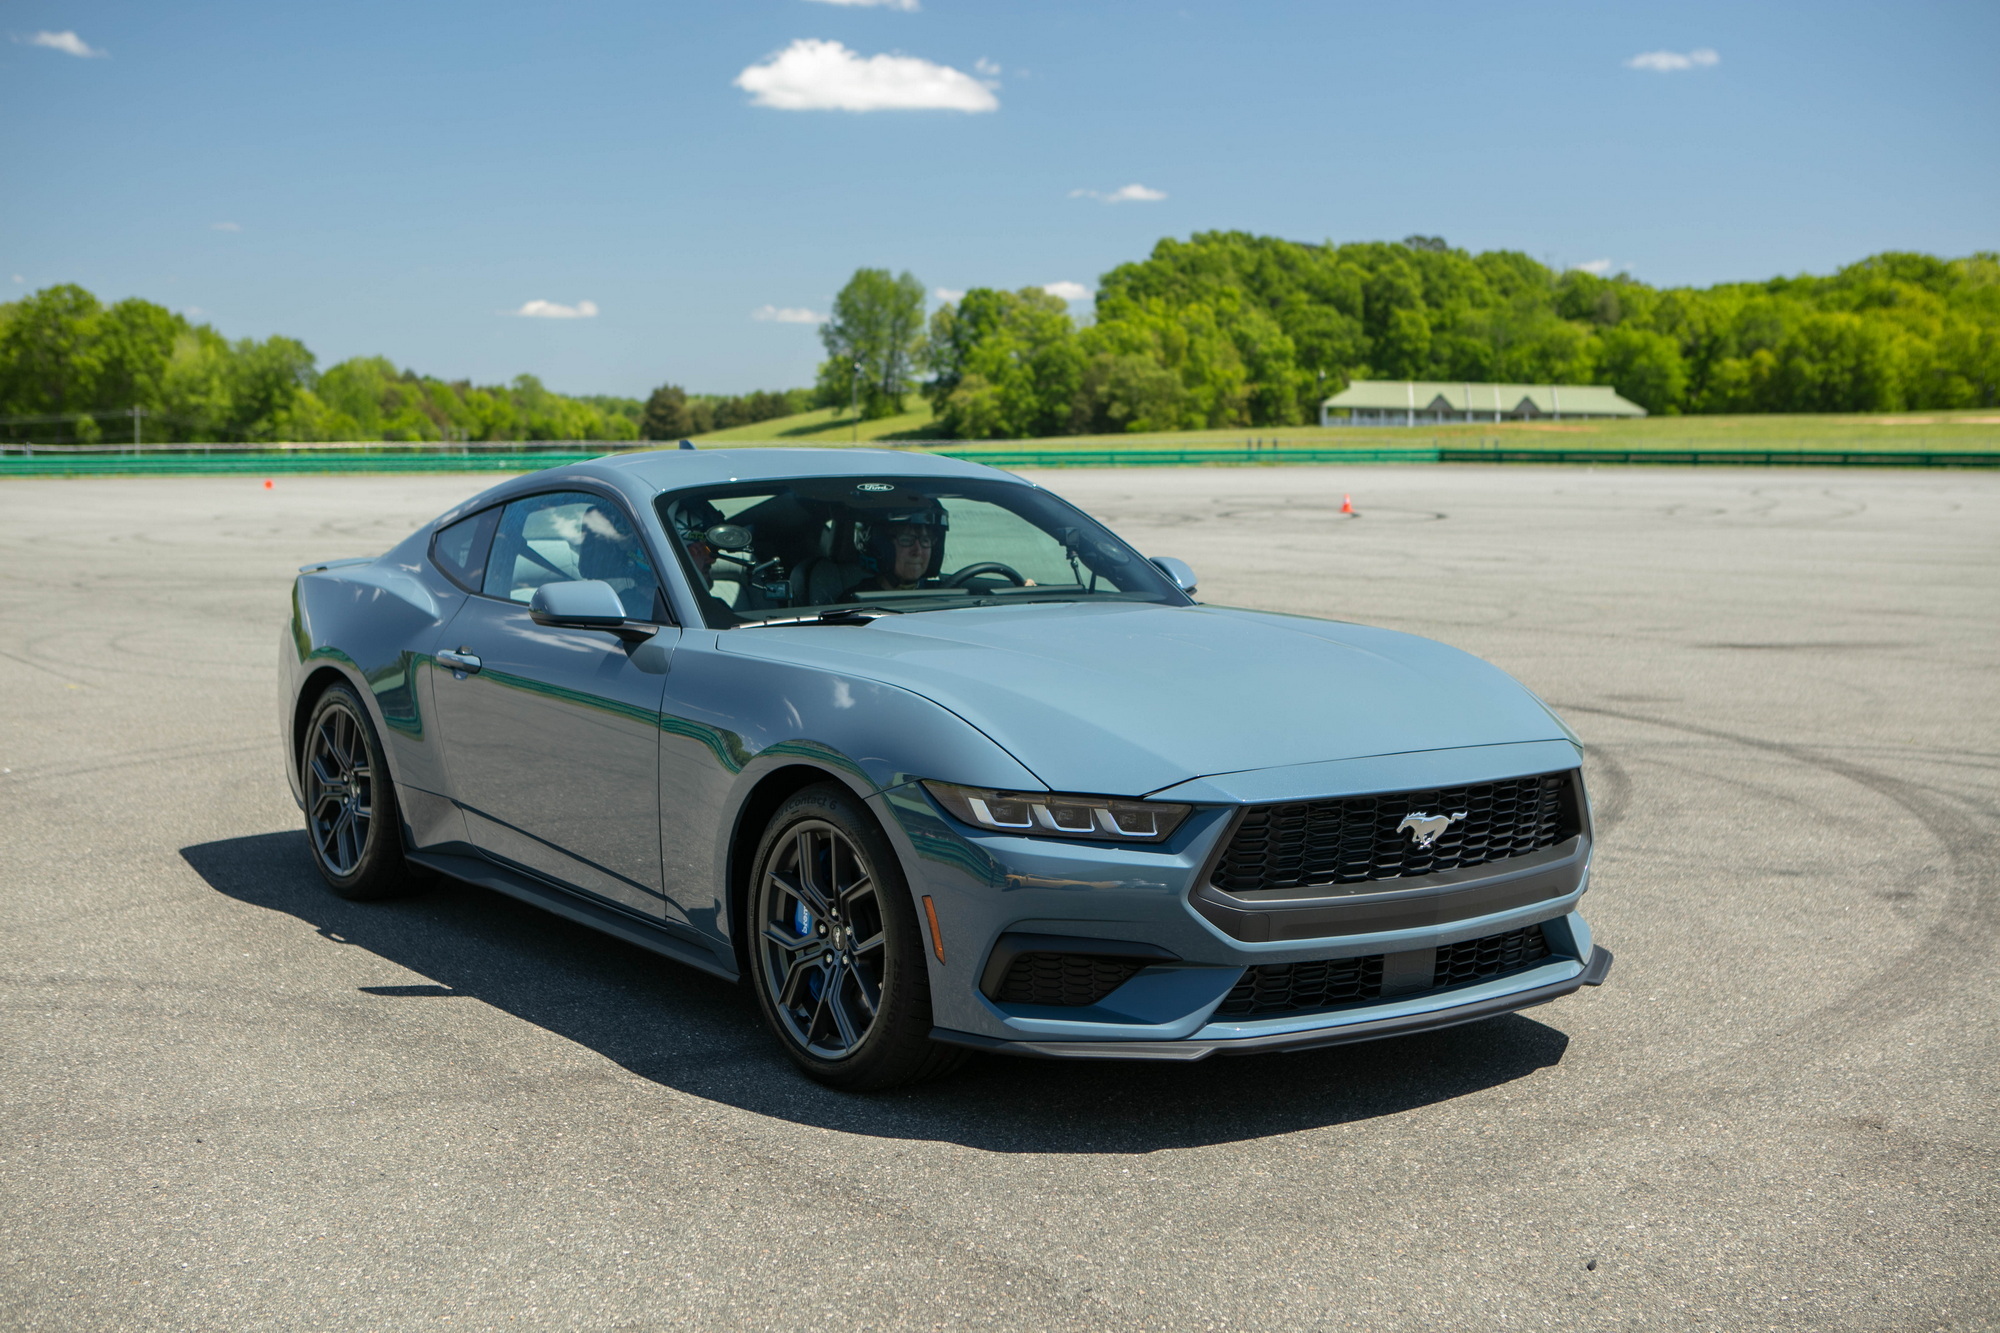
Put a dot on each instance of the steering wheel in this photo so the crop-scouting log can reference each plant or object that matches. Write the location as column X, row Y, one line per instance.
column 961, row 577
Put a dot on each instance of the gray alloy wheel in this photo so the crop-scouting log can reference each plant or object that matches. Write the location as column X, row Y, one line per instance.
column 352, row 824
column 838, row 965
column 339, row 791
column 823, row 943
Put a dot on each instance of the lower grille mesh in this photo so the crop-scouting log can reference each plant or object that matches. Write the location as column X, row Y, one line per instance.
column 1289, row 988
column 1064, row 978
column 1298, row 988
column 1478, row 960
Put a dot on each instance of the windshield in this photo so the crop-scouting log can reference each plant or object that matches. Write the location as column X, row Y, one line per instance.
column 821, row 546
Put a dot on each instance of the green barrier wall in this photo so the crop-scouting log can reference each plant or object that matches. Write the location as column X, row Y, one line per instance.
column 281, row 464
column 1722, row 457
column 270, row 465
column 1180, row 457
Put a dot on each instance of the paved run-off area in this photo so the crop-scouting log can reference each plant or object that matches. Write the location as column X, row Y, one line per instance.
column 232, row 1101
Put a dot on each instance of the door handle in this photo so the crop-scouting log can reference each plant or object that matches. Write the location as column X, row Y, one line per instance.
column 462, row 663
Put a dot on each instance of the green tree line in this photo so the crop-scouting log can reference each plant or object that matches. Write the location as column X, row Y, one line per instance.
column 72, row 369
column 1230, row 329
column 672, row 413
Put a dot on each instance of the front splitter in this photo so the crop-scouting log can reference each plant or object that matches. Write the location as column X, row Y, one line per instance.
column 1593, row 974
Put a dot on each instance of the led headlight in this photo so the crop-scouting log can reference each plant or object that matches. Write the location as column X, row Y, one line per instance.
column 1051, row 815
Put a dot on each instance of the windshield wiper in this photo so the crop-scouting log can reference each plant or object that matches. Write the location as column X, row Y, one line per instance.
column 833, row 615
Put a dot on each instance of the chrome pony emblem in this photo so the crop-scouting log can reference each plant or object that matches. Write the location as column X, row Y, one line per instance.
column 1425, row 829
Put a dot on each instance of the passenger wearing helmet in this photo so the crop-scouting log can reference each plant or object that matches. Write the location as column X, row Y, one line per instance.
column 693, row 521
column 903, row 549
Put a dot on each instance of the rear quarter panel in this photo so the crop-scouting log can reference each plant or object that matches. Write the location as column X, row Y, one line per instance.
column 374, row 625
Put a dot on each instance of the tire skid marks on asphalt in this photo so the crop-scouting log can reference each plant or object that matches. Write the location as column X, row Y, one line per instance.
column 1609, row 786
column 65, row 677
column 1966, row 924
column 132, row 759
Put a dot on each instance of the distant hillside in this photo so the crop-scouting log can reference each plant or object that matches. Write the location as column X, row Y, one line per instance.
column 73, row 369
column 1228, row 329
column 833, row 425
column 1222, row 331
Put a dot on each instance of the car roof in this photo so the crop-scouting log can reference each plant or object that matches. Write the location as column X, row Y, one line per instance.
column 654, row 471
column 677, row 469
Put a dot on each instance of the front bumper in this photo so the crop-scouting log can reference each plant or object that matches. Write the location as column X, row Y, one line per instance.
column 1185, row 947
column 1426, row 1013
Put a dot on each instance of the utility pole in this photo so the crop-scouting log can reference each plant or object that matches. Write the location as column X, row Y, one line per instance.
column 854, row 387
column 138, row 414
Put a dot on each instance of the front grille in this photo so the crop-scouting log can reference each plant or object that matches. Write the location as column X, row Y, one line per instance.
column 1064, row 978
column 1358, row 838
column 1297, row 988
column 1481, row 960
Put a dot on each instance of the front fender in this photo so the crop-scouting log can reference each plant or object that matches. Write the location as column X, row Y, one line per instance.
column 731, row 724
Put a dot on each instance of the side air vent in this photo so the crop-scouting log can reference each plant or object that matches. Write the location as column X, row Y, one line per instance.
column 1064, row 978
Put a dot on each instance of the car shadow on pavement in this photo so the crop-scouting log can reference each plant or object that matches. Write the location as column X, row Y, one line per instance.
column 703, row 1036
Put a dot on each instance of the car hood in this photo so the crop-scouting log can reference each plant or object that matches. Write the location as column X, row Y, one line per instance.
column 1126, row 699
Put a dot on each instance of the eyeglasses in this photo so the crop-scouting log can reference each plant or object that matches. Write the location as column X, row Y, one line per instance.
column 909, row 540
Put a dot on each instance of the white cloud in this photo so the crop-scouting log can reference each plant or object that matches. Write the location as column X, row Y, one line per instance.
column 66, row 42
column 942, row 293
column 19, row 278
column 814, row 75
column 226, row 226
column 1068, row 291
column 1124, row 194
column 194, row 312
column 1598, row 266
column 787, row 315
column 987, row 68
column 907, row 6
column 1667, row 62
column 551, row 310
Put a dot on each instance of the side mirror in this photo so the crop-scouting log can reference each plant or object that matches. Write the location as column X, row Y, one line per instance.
column 1178, row 571
column 585, row 604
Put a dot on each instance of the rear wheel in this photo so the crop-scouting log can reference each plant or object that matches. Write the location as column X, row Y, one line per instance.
column 352, row 823
column 835, row 949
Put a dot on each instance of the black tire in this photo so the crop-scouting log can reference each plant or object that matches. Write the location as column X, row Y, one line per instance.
column 352, row 824
column 836, row 957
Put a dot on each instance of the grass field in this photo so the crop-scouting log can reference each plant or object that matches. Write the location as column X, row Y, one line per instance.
column 830, row 426
column 1914, row 432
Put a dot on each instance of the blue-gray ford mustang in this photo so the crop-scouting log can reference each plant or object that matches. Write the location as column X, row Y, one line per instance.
column 936, row 763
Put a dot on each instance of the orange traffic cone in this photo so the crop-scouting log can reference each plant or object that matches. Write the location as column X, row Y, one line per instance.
column 1347, row 506
column 267, row 483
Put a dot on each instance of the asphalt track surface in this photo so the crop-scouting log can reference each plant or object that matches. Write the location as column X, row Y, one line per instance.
column 232, row 1101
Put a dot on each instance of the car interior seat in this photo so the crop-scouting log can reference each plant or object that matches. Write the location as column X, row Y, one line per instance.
column 821, row 579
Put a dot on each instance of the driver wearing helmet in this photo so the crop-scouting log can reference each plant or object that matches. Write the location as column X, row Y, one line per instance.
column 902, row 550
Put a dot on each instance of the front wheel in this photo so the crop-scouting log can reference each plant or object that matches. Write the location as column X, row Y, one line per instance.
column 835, row 951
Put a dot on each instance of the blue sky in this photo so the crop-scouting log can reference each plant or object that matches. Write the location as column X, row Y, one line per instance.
column 406, row 179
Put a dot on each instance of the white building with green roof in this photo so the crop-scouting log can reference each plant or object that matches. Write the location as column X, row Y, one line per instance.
column 1425, row 403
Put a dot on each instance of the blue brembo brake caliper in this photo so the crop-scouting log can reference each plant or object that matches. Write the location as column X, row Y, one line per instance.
column 802, row 924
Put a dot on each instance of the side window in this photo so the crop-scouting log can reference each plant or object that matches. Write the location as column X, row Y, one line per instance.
column 570, row 535
column 460, row 550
